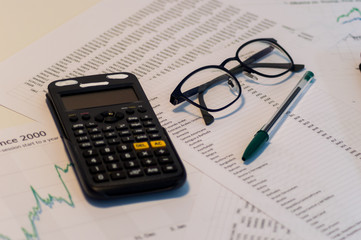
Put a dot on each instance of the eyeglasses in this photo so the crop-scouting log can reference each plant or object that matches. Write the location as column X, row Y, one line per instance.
column 216, row 87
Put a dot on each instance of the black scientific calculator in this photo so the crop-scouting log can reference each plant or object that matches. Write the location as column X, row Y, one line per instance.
column 113, row 137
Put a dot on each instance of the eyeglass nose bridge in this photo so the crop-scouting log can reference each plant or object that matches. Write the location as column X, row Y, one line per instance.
column 243, row 66
column 240, row 69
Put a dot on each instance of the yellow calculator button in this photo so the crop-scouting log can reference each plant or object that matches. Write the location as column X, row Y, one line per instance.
column 141, row 145
column 157, row 144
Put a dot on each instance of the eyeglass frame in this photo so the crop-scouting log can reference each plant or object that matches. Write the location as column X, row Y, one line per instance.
column 178, row 97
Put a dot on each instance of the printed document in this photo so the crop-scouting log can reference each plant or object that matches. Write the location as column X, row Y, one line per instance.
column 307, row 177
column 41, row 197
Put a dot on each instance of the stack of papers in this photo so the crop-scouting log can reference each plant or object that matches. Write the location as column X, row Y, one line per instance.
column 304, row 184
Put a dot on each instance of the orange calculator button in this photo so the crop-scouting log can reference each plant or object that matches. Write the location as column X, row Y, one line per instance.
column 141, row 145
column 157, row 144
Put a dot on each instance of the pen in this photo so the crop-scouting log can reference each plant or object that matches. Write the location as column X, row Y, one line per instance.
column 262, row 135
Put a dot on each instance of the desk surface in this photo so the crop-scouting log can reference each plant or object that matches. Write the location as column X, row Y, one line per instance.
column 23, row 22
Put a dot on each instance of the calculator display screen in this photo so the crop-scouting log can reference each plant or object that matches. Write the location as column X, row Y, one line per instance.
column 99, row 99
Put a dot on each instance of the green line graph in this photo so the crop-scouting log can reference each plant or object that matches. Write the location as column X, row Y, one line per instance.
column 49, row 200
column 353, row 10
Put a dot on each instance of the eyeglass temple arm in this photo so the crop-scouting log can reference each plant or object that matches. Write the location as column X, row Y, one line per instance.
column 250, row 62
column 258, row 55
column 207, row 117
column 296, row 67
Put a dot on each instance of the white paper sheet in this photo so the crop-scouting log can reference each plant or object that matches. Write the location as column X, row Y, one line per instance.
column 41, row 198
column 221, row 214
column 299, row 177
column 150, row 42
column 335, row 28
column 303, row 174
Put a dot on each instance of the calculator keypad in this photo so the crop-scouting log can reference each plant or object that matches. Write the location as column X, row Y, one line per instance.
column 120, row 145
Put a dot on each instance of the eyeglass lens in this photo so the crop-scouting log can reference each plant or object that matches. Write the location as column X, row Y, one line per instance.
column 265, row 57
column 217, row 86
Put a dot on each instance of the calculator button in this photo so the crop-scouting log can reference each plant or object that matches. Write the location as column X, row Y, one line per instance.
column 144, row 154
column 142, row 109
column 138, row 131
column 124, row 148
column 145, row 117
column 158, row 144
column 97, row 169
column 107, row 150
column 125, row 133
column 90, row 153
column 110, row 135
column 72, row 117
column 141, row 138
column 85, row 145
column 110, row 159
column 135, row 172
column 118, row 175
column 131, row 164
column 79, row 132
column 97, row 136
column 152, row 170
column 141, row 145
column 93, row 130
column 165, row 160
column 148, row 124
column 169, row 169
column 127, row 139
column 108, row 129
column 152, row 130
column 114, row 166
column 111, row 117
column 99, row 143
column 155, row 136
column 77, row 126
column 91, row 125
column 85, row 116
column 132, row 119
column 93, row 161
column 161, row 152
column 135, row 125
column 101, row 177
column 127, row 156
column 148, row 162
column 113, row 141
column 121, row 126
column 82, row 139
